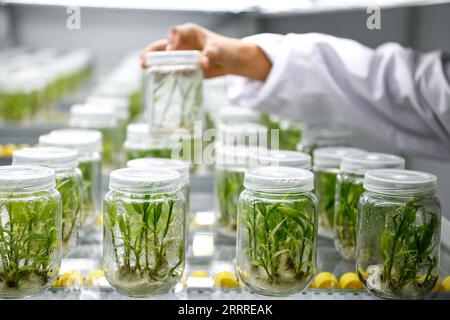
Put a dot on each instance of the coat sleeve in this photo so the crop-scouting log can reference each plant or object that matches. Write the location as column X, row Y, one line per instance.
column 392, row 92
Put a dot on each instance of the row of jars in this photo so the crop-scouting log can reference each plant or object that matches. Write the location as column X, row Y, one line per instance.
column 386, row 219
column 41, row 201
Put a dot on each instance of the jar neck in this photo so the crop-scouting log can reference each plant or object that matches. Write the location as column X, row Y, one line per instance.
column 142, row 196
column 422, row 195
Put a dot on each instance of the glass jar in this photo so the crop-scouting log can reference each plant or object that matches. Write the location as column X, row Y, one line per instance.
column 182, row 167
column 315, row 137
column 399, row 234
column 231, row 162
column 281, row 158
column 18, row 98
column 103, row 119
column 144, row 231
column 349, row 187
column 277, row 230
column 327, row 162
column 140, row 143
column 174, row 90
column 88, row 145
column 30, row 241
column 69, row 182
column 290, row 132
column 122, row 110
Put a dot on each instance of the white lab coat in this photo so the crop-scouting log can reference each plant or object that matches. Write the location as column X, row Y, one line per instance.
column 393, row 92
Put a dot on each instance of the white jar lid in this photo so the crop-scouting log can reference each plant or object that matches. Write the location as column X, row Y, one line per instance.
column 81, row 140
column 120, row 105
column 279, row 180
column 22, row 179
column 173, row 57
column 321, row 136
column 361, row 163
column 144, row 181
column 182, row 167
column 245, row 133
column 93, row 116
column 283, row 158
column 332, row 156
column 400, row 182
column 234, row 114
column 139, row 133
column 55, row 158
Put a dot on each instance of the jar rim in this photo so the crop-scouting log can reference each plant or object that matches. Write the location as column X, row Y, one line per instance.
column 173, row 57
column 55, row 158
column 91, row 116
column 398, row 182
column 361, row 163
column 279, row 180
column 332, row 156
column 282, row 158
column 81, row 140
column 144, row 181
column 182, row 167
column 26, row 178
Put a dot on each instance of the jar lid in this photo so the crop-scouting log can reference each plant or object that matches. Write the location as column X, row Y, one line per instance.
column 235, row 155
column 399, row 182
column 144, row 181
column 361, row 163
column 234, row 114
column 332, row 156
column 245, row 133
column 140, row 133
column 182, row 167
column 55, row 158
column 120, row 105
column 92, row 116
column 26, row 178
column 173, row 57
column 283, row 158
column 279, row 180
column 321, row 136
column 81, row 140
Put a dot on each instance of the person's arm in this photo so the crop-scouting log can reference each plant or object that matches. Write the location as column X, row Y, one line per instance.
column 393, row 92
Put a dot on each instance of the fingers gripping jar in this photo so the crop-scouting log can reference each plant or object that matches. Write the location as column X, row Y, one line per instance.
column 68, row 183
column 399, row 233
column 327, row 162
column 182, row 167
column 144, row 231
column 349, row 187
column 174, row 90
column 88, row 145
column 277, row 230
column 30, row 225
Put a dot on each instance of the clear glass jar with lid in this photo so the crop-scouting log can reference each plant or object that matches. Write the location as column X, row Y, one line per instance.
column 182, row 167
column 399, row 234
column 349, row 187
column 144, row 231
column 30, row 222
column 281, row 158
column 327, row 163
column 231, row 162
column 277, row 230
column 174, row 90
column 318, row 136
column 88, row 145
column 103, row 119
column 140, row 143
column 290, row 132
column 68, row 183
